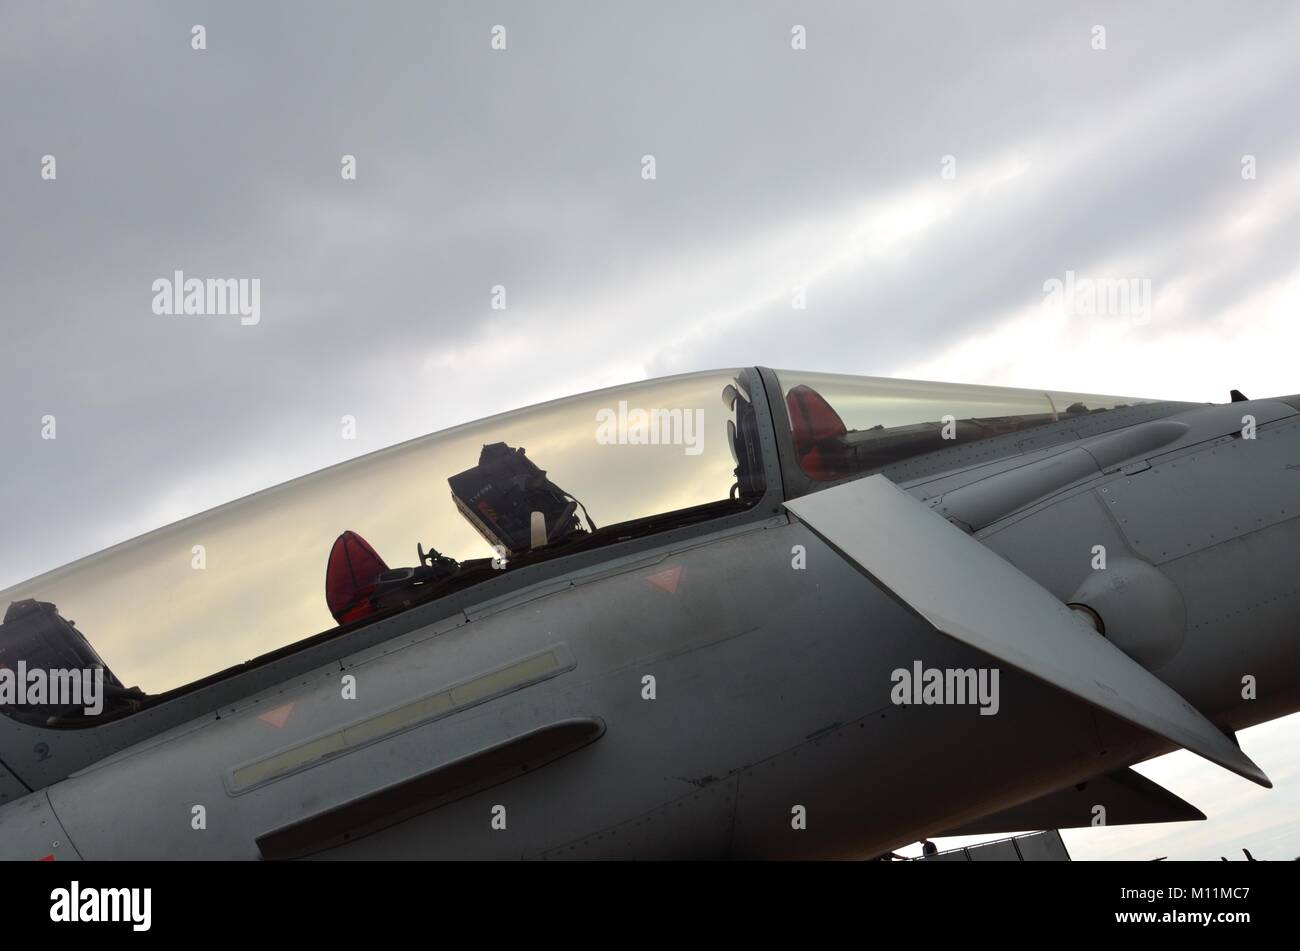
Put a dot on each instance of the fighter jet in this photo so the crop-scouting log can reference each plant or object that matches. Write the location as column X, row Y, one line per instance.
column 739, row 614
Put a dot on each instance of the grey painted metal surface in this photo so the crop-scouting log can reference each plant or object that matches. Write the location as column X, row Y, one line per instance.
column 980, row 503
column 30, row 829
column 10, row 787
column 1149, row 510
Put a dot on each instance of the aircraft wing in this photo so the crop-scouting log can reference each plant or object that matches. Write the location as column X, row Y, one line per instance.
column 1128, row 797
column 969, row 592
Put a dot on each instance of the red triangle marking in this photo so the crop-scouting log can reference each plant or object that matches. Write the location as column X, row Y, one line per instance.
column 277, row 717
column 48, row 858
column 667, row 579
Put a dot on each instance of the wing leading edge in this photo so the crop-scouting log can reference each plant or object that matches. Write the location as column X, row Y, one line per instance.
column 1128, row 797
column 970, row 593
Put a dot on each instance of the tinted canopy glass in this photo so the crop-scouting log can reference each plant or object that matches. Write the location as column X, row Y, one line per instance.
column 222, row 587
column 842, row 426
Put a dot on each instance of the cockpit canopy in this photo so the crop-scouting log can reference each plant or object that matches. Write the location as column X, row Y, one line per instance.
column 842, row 426
column 464, row 505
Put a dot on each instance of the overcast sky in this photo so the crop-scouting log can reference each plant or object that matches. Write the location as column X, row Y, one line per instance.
column 823, row 167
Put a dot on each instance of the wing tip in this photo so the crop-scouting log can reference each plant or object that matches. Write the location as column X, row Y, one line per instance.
column 1246, row 768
